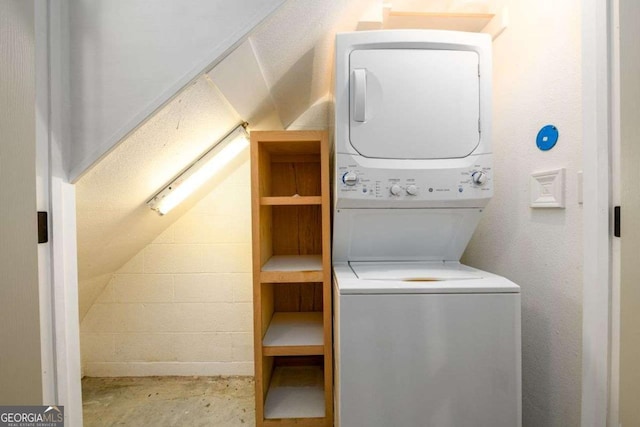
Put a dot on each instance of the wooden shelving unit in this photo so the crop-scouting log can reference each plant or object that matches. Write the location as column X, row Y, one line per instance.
column 292, row 278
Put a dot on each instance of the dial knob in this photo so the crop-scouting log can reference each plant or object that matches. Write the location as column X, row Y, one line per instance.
column 479, row 177
column 412, row 190
column 350, row 178
column 395, row 189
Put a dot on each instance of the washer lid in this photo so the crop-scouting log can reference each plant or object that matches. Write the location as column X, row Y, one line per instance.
column 414, row 271
column 414, row 103
column 371, row 278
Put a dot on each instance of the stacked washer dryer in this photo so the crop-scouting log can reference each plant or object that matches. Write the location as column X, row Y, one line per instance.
column 420, row 339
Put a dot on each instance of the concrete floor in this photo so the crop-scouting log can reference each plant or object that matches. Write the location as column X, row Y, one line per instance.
column 168, row 401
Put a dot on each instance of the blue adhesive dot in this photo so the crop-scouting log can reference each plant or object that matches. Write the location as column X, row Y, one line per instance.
column 547, row 137
column 460, row 190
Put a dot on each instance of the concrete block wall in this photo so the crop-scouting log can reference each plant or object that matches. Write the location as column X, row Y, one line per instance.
column 182, row 305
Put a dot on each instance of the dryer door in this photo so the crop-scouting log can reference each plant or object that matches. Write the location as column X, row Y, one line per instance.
column 414, row 103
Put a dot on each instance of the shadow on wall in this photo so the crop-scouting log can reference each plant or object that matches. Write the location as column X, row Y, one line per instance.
column 292, row 93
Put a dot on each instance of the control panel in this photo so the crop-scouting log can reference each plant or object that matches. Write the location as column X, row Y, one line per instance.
column 470, row 179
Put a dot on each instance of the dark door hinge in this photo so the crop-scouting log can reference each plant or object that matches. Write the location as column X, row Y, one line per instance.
column 43, row 228
column 616, row 221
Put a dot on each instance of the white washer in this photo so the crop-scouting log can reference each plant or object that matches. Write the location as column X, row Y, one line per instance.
column 420, row 340
column 437, row 353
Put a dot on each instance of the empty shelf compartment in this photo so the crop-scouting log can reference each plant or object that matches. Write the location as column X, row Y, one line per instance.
column 294, row 333
column 295, row 392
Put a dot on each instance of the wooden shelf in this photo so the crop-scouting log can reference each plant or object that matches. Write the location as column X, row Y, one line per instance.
column 292, row 269
column 291, row 263
column 290, row 208
column 294, row 334
column 295, row 422
column 493, row 24
column 291, row 201
column 295, row 392
column 472, row 22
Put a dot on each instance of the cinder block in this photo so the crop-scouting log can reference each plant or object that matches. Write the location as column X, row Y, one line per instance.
column 242, row 287
column 96, row 347
column 134, row 265
column 144, row 369
column 201, row 228
column 196, row 228
column 130, row 317
column 106, row 296
column 207, row 347
column 142, row 288
column 232, row 228
column 227, row 258
column 225, row 200
column 242, row 347
column 241, row 317
column 144, row 347
column 206, row 317
column 174, row 259
column 167, row 236
column 203, row 288
column 99, row 318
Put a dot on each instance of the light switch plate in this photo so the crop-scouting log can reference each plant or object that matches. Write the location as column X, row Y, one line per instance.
column 547, row 189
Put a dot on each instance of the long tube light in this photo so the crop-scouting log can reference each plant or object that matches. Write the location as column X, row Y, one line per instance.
column 200, row 171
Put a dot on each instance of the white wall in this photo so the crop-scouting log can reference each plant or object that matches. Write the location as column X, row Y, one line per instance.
column 182, row 305
column 127, row 58
column 537, row 81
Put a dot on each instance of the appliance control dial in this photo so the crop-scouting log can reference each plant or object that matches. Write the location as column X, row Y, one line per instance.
column 395, row 189
column 350, row 178
column 479, row 177
column 412, row 190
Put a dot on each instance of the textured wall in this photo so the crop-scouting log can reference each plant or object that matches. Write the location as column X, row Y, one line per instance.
column 537, row 80
column 182, row 305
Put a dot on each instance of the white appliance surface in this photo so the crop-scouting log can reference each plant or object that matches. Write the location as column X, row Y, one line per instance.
column 427, row 359
column 432, row 95
column 420, row 340
column 402, row 234
column 417, row 278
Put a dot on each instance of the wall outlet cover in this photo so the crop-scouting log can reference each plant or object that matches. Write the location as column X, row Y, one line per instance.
column 547, row 189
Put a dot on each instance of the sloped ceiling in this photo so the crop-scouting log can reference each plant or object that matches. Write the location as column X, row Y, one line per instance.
column 269, row 80
column 126, row 58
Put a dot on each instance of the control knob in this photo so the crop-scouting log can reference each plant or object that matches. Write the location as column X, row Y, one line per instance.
column 412, row 190
column 479, row 177
column 395, row 189
column 350, row 178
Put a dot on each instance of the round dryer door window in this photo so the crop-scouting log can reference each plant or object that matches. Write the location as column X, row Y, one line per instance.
column 414, row 103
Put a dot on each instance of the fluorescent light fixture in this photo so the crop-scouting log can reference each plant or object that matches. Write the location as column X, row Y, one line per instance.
column 200, row 171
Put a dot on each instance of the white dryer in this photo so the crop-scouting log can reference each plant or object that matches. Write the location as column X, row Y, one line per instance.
column 420, row 339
